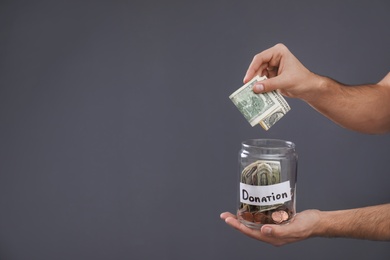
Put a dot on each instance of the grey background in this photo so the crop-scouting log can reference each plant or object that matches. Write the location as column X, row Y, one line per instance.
column 118, row 139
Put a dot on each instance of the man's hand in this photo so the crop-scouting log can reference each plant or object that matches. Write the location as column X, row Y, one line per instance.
column 301, row 227
column 284, row 71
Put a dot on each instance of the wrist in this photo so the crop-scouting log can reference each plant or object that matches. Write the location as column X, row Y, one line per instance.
column 323, row 225
column 317, row 88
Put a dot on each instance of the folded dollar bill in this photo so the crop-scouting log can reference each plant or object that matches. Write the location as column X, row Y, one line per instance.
column 264, row 109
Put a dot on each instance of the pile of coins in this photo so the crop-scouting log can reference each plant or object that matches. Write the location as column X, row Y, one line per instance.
column 278, row 215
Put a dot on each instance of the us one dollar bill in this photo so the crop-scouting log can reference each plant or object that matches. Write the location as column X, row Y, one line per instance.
column 264, row 109
column 261, row 173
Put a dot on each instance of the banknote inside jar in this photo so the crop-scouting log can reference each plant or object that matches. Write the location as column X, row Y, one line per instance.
column 263, row 173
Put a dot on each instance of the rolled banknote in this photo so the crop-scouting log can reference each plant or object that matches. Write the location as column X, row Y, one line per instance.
column 264, row 109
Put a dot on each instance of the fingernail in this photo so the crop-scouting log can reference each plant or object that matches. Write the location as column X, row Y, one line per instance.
column 258, row 88
column 266, row 230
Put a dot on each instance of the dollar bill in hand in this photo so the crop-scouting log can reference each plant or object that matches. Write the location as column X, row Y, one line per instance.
column 264, row 109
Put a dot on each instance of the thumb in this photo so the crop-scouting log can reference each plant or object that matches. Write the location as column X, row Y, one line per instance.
column 268, row 85
column 274, row 230
column 266, row 230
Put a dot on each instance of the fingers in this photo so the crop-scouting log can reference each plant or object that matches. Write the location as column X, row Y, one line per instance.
column 225, row 215
column 258, row 66
column 234, row 223
column 253, row 70
column 258, row 234
column 272, row 71
column 266, row 62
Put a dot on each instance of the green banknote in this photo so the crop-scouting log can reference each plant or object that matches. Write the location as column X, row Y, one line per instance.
column 264, row 109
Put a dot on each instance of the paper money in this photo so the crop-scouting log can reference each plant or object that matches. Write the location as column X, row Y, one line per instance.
column 261, row 173
column 264, row 109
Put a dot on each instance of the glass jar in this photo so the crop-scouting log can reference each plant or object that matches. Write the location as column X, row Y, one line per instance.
column 267, row 182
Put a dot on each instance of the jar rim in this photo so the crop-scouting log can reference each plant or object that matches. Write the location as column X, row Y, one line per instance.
column 268, row 144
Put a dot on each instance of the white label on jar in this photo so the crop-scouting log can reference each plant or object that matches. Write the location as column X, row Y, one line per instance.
column 265, row 195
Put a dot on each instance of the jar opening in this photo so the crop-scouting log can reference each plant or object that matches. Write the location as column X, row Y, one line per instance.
column 268, row 144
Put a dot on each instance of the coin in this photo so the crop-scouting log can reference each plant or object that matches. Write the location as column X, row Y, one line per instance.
column 260, row 217
column 284, row 215
column 279, row 216
column 247, row 216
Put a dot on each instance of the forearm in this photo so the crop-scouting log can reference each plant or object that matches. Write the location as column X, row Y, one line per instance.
column 364, row 108
column 372, row 223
